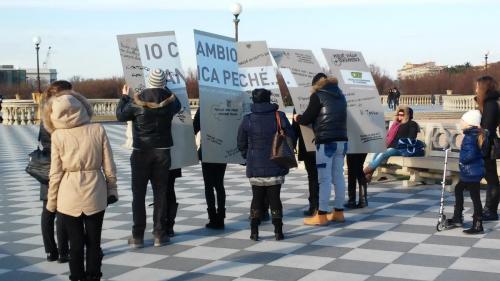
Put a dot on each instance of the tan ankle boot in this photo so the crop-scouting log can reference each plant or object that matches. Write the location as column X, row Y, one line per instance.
column 336, row 216
column 317, row 219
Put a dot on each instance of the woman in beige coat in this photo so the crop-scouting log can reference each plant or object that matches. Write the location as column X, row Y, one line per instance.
column 82, row 178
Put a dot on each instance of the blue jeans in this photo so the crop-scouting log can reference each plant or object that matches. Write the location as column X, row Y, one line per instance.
column 330, row 164
column 381, row 157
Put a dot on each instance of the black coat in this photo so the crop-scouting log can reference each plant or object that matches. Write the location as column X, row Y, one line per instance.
column 327, row 111
column 255, row 138
column 409, row 129
column 45, row 141
column 151, row 113
column 489, row 117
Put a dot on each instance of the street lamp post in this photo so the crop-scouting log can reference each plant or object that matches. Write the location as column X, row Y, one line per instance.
column 37, row 40
column 236, row 10
column 486, row 61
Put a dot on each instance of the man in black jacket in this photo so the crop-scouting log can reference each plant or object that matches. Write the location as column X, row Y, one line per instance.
column 327, row 112
column 151, row 112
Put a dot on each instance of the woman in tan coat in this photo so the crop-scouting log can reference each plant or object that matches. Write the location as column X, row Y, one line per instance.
column 82, row 178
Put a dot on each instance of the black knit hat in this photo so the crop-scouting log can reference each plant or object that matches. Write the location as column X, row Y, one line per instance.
column 317, row 77
column 261, row 95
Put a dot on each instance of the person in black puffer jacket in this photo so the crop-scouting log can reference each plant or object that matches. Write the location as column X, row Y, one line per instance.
column 151, row 112
column 59, row 251
column 487, row 98
column 327, row 112
column 255, row 140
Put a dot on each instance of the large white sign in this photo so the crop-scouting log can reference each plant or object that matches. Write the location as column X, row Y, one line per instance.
column 298, row 68
column 365, row 114
column 221, row 97
column 143, row 52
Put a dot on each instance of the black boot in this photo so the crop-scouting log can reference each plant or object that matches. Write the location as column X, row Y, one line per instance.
column 277, row 219
column 351, row 193
column 254, row 224
column 93, row 277
column 477, row 227
column 490, row 208
column 212, row 217
column 456, row 221
column 221, row 215
column 171, row 214
column 363, row 196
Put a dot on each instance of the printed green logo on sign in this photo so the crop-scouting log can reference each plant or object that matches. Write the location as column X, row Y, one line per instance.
column 357, row 75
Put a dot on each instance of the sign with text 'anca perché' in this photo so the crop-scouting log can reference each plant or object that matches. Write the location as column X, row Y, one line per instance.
column 298, row 67
column 143, row 52
column 221, row 97
column 365, row 114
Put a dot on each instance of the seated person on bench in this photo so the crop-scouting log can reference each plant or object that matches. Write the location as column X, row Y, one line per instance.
column 402, row 127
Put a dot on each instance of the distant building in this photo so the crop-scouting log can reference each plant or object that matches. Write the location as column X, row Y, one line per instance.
column 47, row 76
column 412, row 71
column 10, row 76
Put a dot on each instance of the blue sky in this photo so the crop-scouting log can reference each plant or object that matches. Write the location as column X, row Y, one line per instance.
column 388, row 32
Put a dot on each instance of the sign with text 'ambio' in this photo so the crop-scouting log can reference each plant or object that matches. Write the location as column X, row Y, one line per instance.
column 221, row 97
column 365, row 114
column 143, row 52
column 298, row 68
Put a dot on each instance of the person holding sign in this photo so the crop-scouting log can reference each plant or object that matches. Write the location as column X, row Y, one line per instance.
column 213, row 178
column 255, row 141
column 327, row 111
column 151, row 112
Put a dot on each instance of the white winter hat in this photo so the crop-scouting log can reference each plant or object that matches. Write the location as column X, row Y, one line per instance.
column 472, row 117
column 157, row 78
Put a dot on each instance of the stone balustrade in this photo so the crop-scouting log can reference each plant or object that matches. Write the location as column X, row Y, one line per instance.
column 19, row 112
column 459, row 103
column 415, row 99
column 104, row 109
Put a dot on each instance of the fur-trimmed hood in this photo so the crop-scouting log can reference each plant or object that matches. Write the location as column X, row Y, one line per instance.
column 407, row 111
column 154, row 94
column 65, row 110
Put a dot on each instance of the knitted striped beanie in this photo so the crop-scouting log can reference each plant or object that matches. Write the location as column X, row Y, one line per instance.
column 157, row 78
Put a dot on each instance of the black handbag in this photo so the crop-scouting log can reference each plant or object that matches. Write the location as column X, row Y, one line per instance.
column 282, row 149
column 39, row 165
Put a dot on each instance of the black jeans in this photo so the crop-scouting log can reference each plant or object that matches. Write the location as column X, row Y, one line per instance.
column 258, row 201
column 312, row 177
column 355, row 173
column 48, row 232
column 492, row 193
column 84, row 231
column 474, row 191
column 213, row 177
column 149, row 165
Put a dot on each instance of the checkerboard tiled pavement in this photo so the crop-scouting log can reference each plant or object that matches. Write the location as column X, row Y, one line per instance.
column 393, row 239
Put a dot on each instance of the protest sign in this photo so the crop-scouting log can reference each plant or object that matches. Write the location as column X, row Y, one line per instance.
column 365, row 114
column 143, row 52
column 257, row 67
column 221, row 97
column 298, row 68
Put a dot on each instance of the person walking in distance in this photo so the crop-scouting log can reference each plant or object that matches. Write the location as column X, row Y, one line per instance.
column 151, row 112
column 487, row 96
column 82, row 179
column 327, row 111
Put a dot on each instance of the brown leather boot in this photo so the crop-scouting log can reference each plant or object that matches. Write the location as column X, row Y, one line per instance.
column 337, row 215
